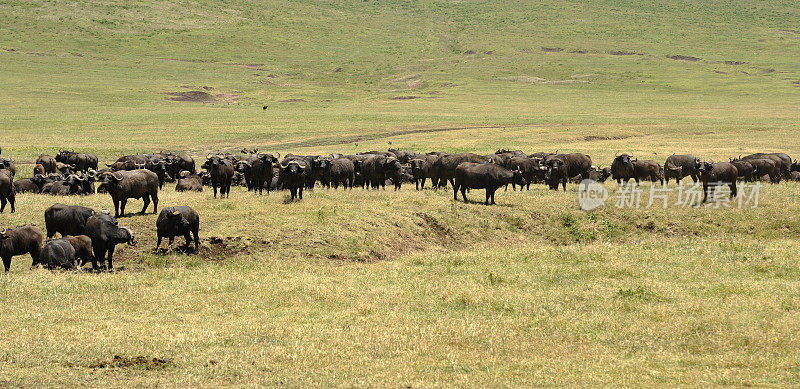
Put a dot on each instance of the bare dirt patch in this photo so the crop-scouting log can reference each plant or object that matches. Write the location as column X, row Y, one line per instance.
column 539, row 80
column 292, row 101
column 734, row 63
column 140, row 361
column 192, row 96
column 405, row 97
column 469, row 52
column 579, row 51
column 620, row 52
column 720, row 72
column 590, row 138
column 552, row 49
column 415, row 84
column 685, row 58
column 796, row 32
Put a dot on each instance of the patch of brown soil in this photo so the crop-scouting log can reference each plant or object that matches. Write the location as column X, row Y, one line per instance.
column 796, row 32
column 118, row 361
column 580, row 51
column 600, row 137
column 415, row 84
column 292, row 101
column 720, row 72
column 337, row 70
column 404, row 97
column 620, row 52
column 734, row 63
column 433, row 224
column 552, row 49
column 490, row 52
column 684, row 58
column 192, row 96
column 469, row 52
column 221, row 248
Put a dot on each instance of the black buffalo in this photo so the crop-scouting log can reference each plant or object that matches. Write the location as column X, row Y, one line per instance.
column 681, row 166
column 134, row 184
column 57, row 254
column 744, row 168
column 189, row 182
column 83, row 248
column 489, row 176
column 713, row 174
column 178, row 221
column 66, row 219
column 292, row 176
column 47, row 162
column 82, row 162
column 18, row 241
column 106, row 234
column 7, row 191
column 444, row 168
column 221, row 171
column 378, row 169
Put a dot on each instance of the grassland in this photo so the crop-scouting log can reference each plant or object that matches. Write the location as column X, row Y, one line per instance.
column 409, row 288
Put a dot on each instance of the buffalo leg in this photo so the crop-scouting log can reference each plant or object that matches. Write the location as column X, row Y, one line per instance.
column 7, row 263
column 455, row 192
column 146, row 200
column 301, row 193
column 422, row 184
column 155, row 202
column 733, row 189
column 110, row 257
column 493, row 192
column 11, row 202
column 228, row 191
column 122, row 206
column 116, row 209
column 171, row 240
column 464, row 193
column 215, row 190
column 2, row 203
column 35, row 251
column 563, row 184
column 188, row 239
column 158, row 243
column 196, row 241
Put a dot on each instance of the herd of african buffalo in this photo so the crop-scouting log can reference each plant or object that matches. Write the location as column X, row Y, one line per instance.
column 90, row 236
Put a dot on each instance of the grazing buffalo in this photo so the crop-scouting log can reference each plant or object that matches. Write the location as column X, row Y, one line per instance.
column 713, row 174
column 83, row 248
column 128, row 164
column 106, row 234
column 58, row 254
column 82, row 162
column 444, row 168
column 189, row 182
column 782, row 161
column 178, row 221
column 293, row 176
column 404, row 156
column 646, row 169
column 66, row 219
column 744, row 168
column 575, row 164
column 221, row 171
column 489, row 176
column 18, row 241
column 7, row 191
column 47, row 162
column 134, row 184
column 681, row 166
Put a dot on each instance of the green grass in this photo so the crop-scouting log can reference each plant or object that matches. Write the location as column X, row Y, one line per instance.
column 409, row 288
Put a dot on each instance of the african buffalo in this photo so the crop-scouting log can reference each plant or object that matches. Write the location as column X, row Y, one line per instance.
column 341, row 172
column 66, row 219
column 18, row 241
column 744, row 168
column 765, row 166
column 105, row 234
column 444, row 168
column 56, row 254
column 178, row 221
column 221, row 171
column 82, row 162
column 25, row 185
column 83, row 248
column 136, row 184
column 293, row 176
column 713, row 174
column 7, row 191
column 189, row 182
column 47, row 162
column 378, row 169
column 489, row 176
column 680, row 166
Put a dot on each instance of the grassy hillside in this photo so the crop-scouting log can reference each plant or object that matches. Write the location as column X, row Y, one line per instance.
column 96, row 76
column 377, row 289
